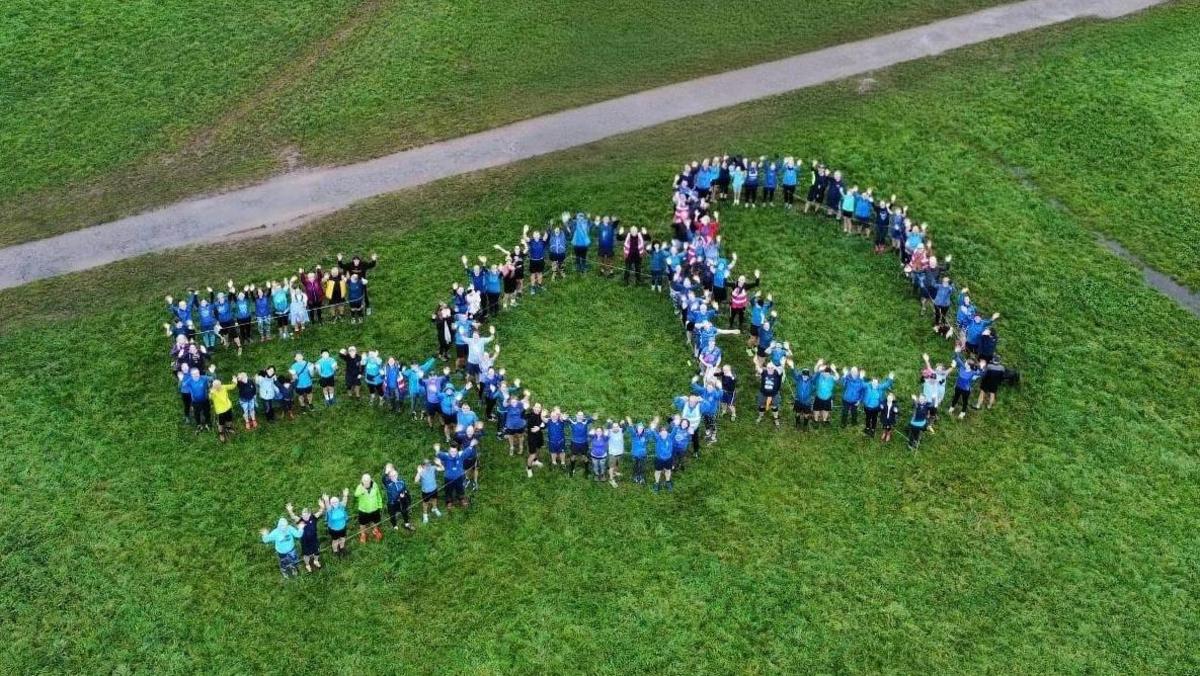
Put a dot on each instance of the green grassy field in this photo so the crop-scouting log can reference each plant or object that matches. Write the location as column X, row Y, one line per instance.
column 169, row 100
column 1053, row 534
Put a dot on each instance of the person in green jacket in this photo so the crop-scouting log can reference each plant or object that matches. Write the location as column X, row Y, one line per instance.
column 284, row 538
column 369, row 499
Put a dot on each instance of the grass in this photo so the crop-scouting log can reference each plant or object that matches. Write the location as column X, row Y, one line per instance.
column 1053, row 534
column 166, row 100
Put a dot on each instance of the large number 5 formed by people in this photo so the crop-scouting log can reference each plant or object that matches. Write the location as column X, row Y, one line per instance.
column 709, row 295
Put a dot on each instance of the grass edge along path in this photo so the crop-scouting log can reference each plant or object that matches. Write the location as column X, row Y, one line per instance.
column 293, row 199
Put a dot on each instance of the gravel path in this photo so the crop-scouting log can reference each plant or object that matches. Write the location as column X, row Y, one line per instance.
column 295, row 198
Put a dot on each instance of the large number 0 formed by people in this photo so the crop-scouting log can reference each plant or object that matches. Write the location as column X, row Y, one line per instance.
column 698, row 277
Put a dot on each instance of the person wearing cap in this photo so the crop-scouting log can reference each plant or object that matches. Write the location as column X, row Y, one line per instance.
column 369, row 500
column 283, row 536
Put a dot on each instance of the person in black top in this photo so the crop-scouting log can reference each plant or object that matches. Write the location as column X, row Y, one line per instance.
column 247, row 394
column 310, row 545
column 359, row 266
column 535, row 425
column 728, row 391
column 353, row 362
column 770, row 381
column 443, row 324
column 891, row 411
column 993, row 375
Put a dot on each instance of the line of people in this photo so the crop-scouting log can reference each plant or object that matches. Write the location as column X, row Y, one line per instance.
column 235, row 314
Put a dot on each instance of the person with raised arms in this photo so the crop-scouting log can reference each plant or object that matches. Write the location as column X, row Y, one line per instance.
column 710, row 405
column 802, row 404
column 681, row 437
column 557, row 245
column 476, row 349
column 579, row 438
column 616, row 449
column 453, row 461
column 770, row 382
column 514, row 421
column 968, row 373
column 336, row 521
column 373, row 375
column 326, row 368
column 598, row 451
column 933, row 386
column 353, row 364
column 537, row 245
column 536, row 434
column 873, row 394
column 398, row 500
column 852, row 393
column 310, row 545
column 664, row 456
column 888, row 416
column 369, row 501
column 283, row 536
column 426, row 478
column 581, row 239
column 448, row 403
column 920, row 418
column 556, row 437
column 826, row 379
column 729, row 383
column 640, row 436
column 222, row 405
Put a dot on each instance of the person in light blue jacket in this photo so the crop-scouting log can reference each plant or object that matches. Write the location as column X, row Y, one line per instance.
column 873, row 396
column 283, row 536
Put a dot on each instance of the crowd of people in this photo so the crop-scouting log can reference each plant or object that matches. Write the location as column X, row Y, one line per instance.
column 470, row 391
column 237, row 315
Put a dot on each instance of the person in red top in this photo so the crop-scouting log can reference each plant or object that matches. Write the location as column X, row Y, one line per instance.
column 314, row 291
column 635, row 249
column 739, row 299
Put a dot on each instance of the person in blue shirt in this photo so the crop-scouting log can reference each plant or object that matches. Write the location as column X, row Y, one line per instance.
column 826, row 378
column 336, row 520
column 606, row 234
column 770, row 181
column 942, row 294
column 536, row 244
column 681, row 438
column 426, row 478
column 454, row 464
column 598, row 451
column 284, row 536
column 356, row 296
column 640, row 436
column 414, row 373
column 968, row 373
column 658, row 265
column 834, row 191
column 916, row 424
column 398, row 500
column 303, row 371
column 664, row 455
column 864, row 207
column 581, row 239
column 710, row 404
column 975, row 330
column 514, row 423
column 448, row 401
column 761, row 310
column 788, row 180
column 690, row 408
column 579, row 426
column 557, row 246
column 262, row 314
column 198, row 386
column 802, row 404
column 873, row 394
column 852, row 393
column 243, row 312
column 556, row 437
column 326, row 368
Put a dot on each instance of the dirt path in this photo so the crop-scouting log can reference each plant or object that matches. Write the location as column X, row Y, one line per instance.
column 295, row 198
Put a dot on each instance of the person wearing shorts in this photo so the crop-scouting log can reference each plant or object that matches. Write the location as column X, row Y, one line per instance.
column 369, row 500
column 770, row 382
column 326, row 368
column 826, row 379
column 514, row 423
column 426, row 478
column 579, row 425
column 336, row 520
column 993, row 375
column 556, row 437
column 664, row 458
column 310, row 545
column 887, row 419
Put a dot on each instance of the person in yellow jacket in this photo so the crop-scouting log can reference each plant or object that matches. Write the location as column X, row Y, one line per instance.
column 335, row 291
column 222, row 406
column 369, row 500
